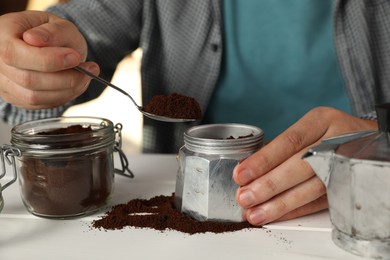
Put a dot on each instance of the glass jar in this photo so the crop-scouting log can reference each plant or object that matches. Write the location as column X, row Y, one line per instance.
column 65, row 165
column 205, row 189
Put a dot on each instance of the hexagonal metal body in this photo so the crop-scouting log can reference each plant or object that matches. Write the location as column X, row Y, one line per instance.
column 205, row 189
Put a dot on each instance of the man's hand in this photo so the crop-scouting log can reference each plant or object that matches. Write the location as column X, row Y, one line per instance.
column 37, row 52
column 276, row 184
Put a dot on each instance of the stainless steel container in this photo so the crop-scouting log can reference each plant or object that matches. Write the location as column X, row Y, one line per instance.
column 205, row 189
column 356, row 171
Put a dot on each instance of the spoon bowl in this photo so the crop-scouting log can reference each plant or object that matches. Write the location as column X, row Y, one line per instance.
column 140, row 109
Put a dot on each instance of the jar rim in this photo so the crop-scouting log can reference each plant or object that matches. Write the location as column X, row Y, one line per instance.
column 25, row 136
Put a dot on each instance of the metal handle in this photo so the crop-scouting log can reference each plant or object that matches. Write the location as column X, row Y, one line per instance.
column 125, row 171
column 8, row 154
column 383, row 115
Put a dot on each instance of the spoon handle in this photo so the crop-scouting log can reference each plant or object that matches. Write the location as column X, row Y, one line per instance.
column 105, row 82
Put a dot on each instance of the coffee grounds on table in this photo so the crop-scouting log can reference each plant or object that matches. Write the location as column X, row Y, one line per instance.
column 159, row 213
column 174, row 106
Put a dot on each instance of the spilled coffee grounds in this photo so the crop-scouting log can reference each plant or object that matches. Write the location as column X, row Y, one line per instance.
column 174, row 106
column 160, row 214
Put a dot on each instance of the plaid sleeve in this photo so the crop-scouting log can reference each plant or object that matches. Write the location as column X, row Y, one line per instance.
column 362, row 40
column 13, row 115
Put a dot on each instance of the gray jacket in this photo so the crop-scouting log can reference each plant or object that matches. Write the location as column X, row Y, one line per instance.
column 182, row 49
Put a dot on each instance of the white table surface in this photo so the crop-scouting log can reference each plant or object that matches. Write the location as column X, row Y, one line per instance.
column 25, row 236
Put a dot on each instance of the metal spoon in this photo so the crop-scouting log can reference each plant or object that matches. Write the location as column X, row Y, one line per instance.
column 141, row 109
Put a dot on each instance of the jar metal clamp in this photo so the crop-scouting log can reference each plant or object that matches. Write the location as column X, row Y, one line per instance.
column 7, row 154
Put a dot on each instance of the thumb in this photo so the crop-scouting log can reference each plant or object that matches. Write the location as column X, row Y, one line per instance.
column 56, row 32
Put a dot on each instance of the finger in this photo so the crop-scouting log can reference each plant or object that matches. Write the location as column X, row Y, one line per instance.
column 56, row 33
column 286, row 202
column 47, row 59
column 294, row 139
column 71, row 84
column 313, row 207
column 39, row 81
column 30, row 99
column 274, row 182
column 66, row 52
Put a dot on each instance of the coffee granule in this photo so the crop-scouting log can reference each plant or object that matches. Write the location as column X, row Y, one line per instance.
column 174, row 106
column 159, row 213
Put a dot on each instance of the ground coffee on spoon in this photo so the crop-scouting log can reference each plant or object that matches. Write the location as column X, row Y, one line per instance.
column 174, row 106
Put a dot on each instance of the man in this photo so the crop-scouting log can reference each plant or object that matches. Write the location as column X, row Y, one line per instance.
column 184, row 51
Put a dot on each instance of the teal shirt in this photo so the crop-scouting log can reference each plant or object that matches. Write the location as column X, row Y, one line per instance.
column 279, row 62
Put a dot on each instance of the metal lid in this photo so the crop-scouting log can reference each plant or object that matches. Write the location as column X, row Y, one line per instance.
column 223, row 138
column 370, row 145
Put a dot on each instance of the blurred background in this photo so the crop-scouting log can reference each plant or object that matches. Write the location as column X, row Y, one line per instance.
column 111, row 104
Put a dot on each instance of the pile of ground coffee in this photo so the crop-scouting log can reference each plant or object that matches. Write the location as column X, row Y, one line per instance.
column 174, row 106
column 160, row 214
column 67, row 130
column 66, row 185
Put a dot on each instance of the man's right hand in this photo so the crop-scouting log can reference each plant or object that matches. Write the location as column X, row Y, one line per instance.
column 37, row 52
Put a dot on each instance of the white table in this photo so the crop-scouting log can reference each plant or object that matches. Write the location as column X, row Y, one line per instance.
column 24, row 236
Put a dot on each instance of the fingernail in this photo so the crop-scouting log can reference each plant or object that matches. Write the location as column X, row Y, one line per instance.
column 93, row 69
column 43, row 35
column 71, row 60
column 244, row 176
column 257, row 216
column 246, row 198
